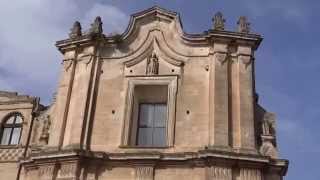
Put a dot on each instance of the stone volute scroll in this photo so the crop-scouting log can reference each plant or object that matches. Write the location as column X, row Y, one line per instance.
column 218, row 21
column 75, row 30
column 268, row 136
column 152, row 67
column 96, row 26
column 243, row 25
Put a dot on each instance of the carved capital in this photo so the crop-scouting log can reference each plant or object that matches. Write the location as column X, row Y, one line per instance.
column 245, row 59
column 67, row 63
column 221, row 57
column 86, row 58
column 144, row 173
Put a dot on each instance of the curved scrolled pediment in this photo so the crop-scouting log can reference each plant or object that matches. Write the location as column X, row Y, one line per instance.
column 160, row 24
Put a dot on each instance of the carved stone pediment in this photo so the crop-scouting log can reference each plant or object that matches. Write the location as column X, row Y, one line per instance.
column 154, row 61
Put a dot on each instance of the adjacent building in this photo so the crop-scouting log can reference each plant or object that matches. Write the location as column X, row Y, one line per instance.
column 153, row 103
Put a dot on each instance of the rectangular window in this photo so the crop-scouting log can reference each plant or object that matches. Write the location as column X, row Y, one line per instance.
column 152, row 125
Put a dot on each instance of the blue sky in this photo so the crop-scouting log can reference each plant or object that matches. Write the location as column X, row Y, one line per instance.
column 287, row 65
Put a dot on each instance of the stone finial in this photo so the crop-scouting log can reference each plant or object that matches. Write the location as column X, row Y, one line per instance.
column 96, row 26
column 75, row 30
column 243, row 25
column 218, row 21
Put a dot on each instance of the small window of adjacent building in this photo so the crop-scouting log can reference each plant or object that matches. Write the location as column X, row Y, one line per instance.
column 11, row 130
column 152, row 125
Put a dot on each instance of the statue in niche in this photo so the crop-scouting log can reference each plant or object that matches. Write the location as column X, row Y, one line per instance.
column 243, row 25
column 75, row 30
column 218, row 21
column 269, row 124
column 152, row 65
column 96, row 26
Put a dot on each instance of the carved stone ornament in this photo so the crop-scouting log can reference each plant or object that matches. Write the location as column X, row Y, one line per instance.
column 221, row 57
column 44, row 137
column 246, row 59
column 96, row 26
column 243, row 25
column 269, row 124
column 218, row 21
column 46, row 172
column 268, row 149
column 68, row 171
column 144, row 173
column 67, row 64
column 152, row 65
column 219, row 173
column 75, row 30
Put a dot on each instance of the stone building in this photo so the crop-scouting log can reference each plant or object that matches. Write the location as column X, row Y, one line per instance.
column 153, row 103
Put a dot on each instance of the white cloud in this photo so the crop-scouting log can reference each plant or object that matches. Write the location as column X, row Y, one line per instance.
column 29, row 30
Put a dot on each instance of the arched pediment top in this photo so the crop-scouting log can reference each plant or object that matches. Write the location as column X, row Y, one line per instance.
column 156, row 13
column 155, row 23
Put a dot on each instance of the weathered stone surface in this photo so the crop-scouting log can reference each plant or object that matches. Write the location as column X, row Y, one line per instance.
column 214, row 128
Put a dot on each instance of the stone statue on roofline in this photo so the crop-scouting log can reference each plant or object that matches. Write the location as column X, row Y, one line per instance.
column 243, row 25
column 96, row 26
column 218, row 21
column 75, row 30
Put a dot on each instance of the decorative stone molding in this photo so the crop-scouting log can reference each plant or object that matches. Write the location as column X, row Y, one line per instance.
column 250, row 174
column 46, row 172
column 219, row 173
column 172, row 83
column 144, row 173
column 10, row 155
column 68, row 171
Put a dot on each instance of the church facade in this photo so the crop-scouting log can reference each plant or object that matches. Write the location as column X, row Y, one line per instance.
column 153, row 103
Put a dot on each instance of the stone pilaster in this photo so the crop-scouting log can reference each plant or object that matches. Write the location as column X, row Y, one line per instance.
column 77, row 118
column 242, row 101
column 219, row 100
column 144, row 173
column 63, row 99
column 219, row 173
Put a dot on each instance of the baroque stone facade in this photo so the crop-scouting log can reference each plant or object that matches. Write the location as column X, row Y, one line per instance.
column 206, row 122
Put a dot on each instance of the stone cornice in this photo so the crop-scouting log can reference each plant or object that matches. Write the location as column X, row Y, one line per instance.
column 200, row 158
column 14, row 98
column 159, row 14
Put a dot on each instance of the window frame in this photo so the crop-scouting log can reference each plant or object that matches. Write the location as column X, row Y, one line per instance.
column 171, row 82
column 12, row 126
column 153, row 127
